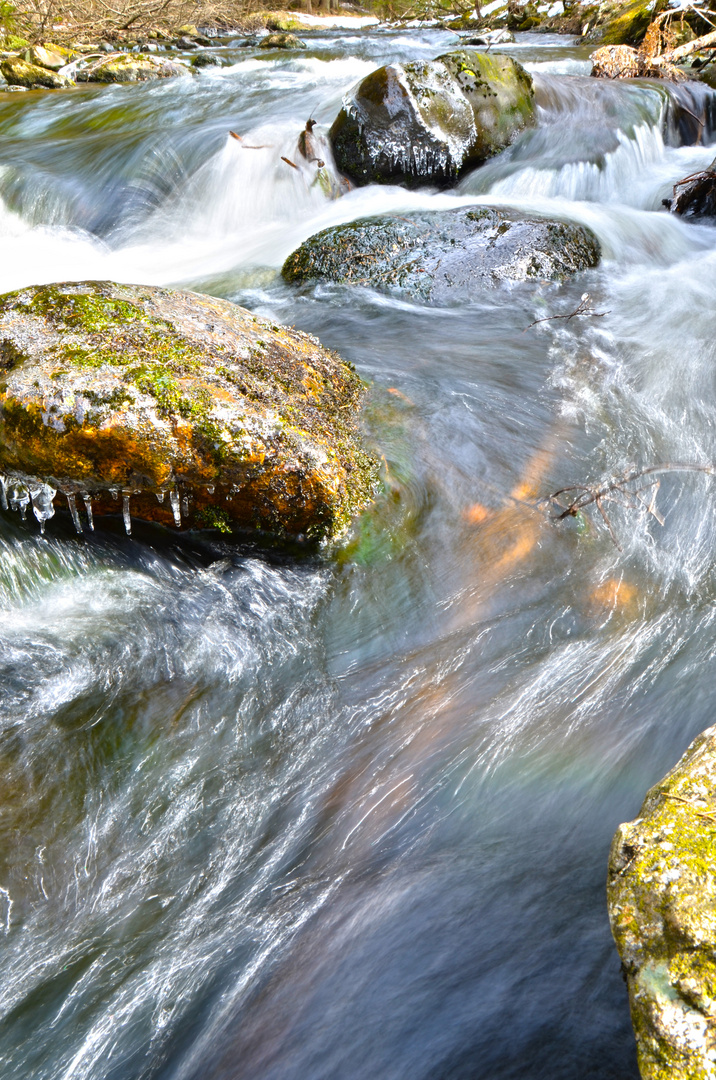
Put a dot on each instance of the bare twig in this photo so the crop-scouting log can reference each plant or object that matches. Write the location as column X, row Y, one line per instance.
column 617, row 490
column 583, row 308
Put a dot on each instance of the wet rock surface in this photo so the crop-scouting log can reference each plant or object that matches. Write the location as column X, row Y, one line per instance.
column 662, row 907
column 135, row 393
column 425, row 123
column 695, row 195
column 439, row 256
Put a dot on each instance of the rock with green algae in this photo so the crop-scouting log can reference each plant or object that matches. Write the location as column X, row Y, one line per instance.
column 424, row 123
column 443, row 255
column 617, row 23
column 18, row 72
column 130, row 68
column 662, row 907
column 134, row 392
column 282, row 41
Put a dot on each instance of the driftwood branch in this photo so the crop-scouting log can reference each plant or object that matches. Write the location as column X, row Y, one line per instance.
column 583, row 308
column 618, row 490
column 679, row 53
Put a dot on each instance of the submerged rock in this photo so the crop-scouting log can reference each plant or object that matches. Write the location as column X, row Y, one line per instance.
column 443, row 255
column 662, row 907
column 282, row 41
column 424, row 123
column 695, row 196
column 126, row 68
column 18, row 72
column 146, row 392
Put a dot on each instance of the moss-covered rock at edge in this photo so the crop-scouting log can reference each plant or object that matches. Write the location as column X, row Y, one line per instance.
column 662, row 907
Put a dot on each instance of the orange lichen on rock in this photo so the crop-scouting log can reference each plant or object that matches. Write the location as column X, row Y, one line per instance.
column 144, row 390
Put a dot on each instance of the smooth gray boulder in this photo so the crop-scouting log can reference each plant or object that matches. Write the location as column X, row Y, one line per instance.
column 443, row 255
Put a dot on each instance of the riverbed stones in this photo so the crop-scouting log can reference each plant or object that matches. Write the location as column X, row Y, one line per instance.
column 662, row 907
column 425, row 123
column 19, row 72
column 130, row 68
column 149, row 392
column 444, row 255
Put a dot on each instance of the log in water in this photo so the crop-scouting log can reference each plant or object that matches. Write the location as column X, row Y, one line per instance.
column 348, row 816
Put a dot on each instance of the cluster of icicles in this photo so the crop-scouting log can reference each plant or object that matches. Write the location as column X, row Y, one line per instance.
column 19, row 494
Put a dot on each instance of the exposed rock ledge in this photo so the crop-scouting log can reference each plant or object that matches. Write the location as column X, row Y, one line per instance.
column 662, row 906
column 116, row 394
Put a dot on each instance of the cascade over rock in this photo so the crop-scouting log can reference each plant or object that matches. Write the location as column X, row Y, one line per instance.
column 112, row 389
column 445, row 254
column 662, row 907
column 424, row 123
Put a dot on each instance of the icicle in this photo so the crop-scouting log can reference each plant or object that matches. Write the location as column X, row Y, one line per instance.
column 3, row 494
column 18, row 498
column 75, row 515
column 160, row 496
column 114, row 492
column 185, row 506
column 42, row 497
column 174, row 500
column 125, row 512
column 211, row 489
column 88, row 507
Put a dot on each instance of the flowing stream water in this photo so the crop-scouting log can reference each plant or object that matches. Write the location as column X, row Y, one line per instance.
column 348, row 816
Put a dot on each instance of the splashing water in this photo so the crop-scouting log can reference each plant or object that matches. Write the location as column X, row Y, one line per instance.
column 350, row 816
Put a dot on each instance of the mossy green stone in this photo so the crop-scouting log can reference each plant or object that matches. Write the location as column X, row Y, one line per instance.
column 147, row 390
column 662, row 907
column 443, row 255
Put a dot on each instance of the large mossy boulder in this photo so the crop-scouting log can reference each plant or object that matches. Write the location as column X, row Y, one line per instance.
column 425, row 123
column 618, row 23
column 443, row 255
column 133, row 392
column 19, row 72
column 130, row 68
column 662, row 906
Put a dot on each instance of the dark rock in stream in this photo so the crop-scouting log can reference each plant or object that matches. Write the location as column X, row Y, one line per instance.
column 443, row 255
column 695, row 196
column 424, row 123
column 133, row 392
column 662, row 906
